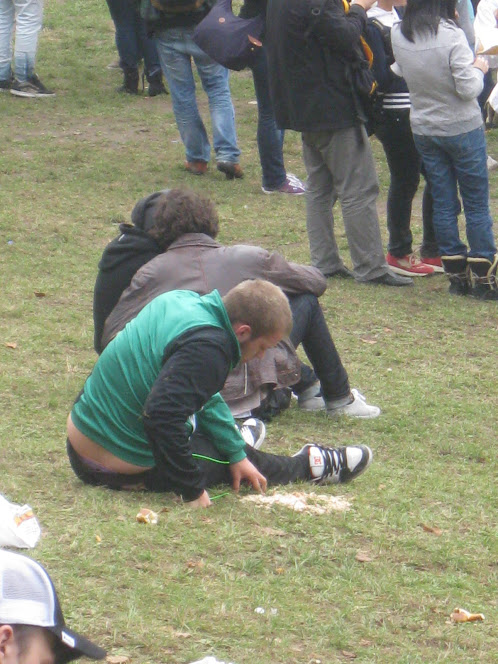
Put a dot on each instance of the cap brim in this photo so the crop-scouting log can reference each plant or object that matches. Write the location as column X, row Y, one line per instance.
column 77, row 645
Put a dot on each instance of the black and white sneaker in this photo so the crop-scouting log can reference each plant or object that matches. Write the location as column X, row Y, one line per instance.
column 33, row 87
column 253, row 432
column 334, row 465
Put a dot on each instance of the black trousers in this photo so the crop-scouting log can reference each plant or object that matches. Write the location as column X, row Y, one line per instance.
column 394, row 132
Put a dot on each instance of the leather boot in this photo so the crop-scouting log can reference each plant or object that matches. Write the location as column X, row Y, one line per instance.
column 456, row 269
column 483, row 281
column 130, row 81
column 156, row 85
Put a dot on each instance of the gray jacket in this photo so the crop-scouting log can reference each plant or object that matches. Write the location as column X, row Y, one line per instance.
column 443, row 84
column 197, row 262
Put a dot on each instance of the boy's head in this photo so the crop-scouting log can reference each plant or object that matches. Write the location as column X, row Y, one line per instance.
column 32, row 627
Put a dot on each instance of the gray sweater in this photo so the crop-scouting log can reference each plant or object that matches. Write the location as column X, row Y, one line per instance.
column 443, row 84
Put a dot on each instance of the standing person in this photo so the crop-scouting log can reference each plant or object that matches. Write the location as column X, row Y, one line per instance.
column 32, row 627
column 392, row 127
column 150, row 414
column 173, row 31
column 133, row 45
column 444, row 80
column 270, row 137
column 25, row 16
column 310, row 47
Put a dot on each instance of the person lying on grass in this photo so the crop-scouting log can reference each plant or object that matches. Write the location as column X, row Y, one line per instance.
column 150, row 415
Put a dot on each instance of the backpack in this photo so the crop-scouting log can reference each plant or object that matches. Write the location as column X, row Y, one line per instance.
column 229, row 40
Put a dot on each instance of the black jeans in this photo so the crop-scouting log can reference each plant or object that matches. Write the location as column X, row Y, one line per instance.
column 276, row 468
column 310, row 329
column 394, row 132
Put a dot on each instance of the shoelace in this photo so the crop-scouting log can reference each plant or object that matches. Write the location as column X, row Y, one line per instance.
column 334, row 461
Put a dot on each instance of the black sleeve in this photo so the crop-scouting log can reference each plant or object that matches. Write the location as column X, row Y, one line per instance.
column 195, row 368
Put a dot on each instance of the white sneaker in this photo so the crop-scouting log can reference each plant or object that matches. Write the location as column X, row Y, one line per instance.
column 311, row 399
column 357, row 408
column 253, row 432
column 330, row 465
column 491, row 163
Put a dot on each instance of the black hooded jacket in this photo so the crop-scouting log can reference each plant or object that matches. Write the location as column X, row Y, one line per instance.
column 121, row 259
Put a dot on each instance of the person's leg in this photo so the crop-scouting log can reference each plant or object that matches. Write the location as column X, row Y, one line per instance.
column 429, row 248
column 310, row 329
column 123, row 15
column 29, row 16
column 320, row 199
column 403, row 160
column 270, row 138
column 7, row 21
column 215, row 81
column 349, row 158
column 147, row 47
column 441, row 175
column 173, row 48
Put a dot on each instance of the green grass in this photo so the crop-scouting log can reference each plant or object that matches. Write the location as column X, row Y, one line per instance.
column 71, row 168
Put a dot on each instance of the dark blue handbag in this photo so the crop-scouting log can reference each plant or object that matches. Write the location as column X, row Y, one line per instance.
column 231, row 41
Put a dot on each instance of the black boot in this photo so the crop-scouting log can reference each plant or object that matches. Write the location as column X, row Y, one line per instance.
column 456, row 269
column 484, row 284
column 156, row 85
column 130, row 82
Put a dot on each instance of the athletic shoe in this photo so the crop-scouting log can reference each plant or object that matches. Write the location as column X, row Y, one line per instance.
column 491, row 163
column 311, row 398
column 292, row 185
column 390, row 279
column 231, row 170
column 33, row 87
column 409, row 266
column 358, row 407
column 196, row 167
column 253, row 432
column 6, row 85
column 330, row 465
column 436, row 263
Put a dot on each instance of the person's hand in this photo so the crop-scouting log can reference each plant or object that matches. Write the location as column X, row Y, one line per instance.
column 366, row 4
column 482, row 64
column 244, row 470
column 202, row 501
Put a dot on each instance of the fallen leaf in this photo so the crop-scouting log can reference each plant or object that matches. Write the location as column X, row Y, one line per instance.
column 98, row 538
column 387, row 329
column 192, row 564
column 432, row 529
column 182, row 635
column 280, row 570
column 461, row 615
column 11, row 344
column 117, row 659
column 273, row 532
column 368, row 341
column 365, row 642
column 348, row 654
column 145, row 515
column 39, row 294
column 363, row 557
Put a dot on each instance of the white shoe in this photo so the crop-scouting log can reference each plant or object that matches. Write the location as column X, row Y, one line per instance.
column 491, row 163
column 253, row 432
column 334, row 465
column 311, row 399
column 357, row 408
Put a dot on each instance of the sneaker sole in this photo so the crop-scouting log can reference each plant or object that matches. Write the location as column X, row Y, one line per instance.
column 407, row 273
column 277, row 191
column 31, row 95
column 436, row 268
column 342, row 413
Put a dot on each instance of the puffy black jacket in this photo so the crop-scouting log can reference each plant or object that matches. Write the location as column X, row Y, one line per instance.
column 308, row 60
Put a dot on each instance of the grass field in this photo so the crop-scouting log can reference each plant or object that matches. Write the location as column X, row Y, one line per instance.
column 71, row 168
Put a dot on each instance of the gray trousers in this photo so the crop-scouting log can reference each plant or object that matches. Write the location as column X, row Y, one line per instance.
column 340, row 165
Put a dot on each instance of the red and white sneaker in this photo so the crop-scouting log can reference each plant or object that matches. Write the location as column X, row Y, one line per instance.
column 409, row 266
column 435, row 263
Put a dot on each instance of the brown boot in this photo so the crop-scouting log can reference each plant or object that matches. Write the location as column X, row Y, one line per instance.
column 196, row 167
column 230, row 169
column 456, row 269
column 484, row 284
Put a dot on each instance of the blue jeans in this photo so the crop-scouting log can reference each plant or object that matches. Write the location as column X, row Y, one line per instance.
column 459, row 160
column 131, row 37
column 176, row 50
column 27, row 17
column 270, row 137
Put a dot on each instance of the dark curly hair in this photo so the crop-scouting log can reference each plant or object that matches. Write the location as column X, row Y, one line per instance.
column 183, row 211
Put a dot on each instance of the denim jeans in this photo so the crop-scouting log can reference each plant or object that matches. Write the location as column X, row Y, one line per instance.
column 176, row 50
column 27, row 17
column 270, row 137
column 310, row 329
column 394, row 132
column 459, row 160
column 131, row 37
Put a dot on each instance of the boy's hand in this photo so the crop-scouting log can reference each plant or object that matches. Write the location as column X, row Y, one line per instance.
column 244, row 470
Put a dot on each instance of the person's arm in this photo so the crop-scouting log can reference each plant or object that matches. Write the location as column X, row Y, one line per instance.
column 195, row 370
column 292, row 278
column 468, row 79
column 340, row 31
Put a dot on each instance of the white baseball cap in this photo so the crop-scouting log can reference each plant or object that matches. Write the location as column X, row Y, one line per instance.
column 28, row 597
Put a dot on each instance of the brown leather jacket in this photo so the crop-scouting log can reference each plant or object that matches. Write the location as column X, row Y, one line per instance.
column 197, row 262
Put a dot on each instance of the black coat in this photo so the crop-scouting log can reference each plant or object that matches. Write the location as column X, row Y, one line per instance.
column 121, row 259
column 308, row 70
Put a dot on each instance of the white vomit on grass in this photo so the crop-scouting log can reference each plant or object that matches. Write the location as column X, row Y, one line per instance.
column 314, row 503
